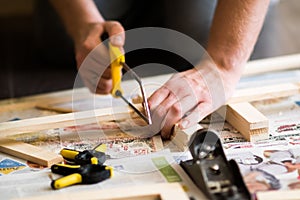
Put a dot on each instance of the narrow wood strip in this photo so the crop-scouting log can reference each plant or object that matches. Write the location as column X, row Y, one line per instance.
column 248, row 121
column 64, row 120
column 273, row 64
column 265, row 92
column 163, row 191
column 29, row 152
column 279, row 195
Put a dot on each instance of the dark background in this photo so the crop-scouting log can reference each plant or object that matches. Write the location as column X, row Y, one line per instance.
column 26, row 69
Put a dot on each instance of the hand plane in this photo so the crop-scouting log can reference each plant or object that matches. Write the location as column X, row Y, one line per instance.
column 209, row 169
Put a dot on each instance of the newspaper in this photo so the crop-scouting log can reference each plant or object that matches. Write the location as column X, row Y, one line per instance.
column 158, row 167
column 273, row 164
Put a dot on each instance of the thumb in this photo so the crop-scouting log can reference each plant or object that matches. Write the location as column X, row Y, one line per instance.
column 116, row 33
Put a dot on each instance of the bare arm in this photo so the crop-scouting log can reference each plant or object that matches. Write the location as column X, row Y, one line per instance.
column 234, row 32
column 76, row 14
column 191, row 95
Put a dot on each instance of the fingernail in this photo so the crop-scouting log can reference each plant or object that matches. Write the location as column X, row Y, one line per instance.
column 184, row 123
column 117, row 40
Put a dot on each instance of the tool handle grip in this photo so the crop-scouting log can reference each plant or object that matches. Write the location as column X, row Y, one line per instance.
column 116, row 58
column 69, row 153
column 66, row 181
column 63, row 169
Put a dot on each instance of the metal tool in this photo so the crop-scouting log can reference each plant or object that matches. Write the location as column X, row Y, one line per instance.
column 117, row 64
column 75, row 174
column 209, row 169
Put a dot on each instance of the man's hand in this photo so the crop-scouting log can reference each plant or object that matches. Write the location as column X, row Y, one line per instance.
column 85, row 25
column 97, row 77
column 190, row 96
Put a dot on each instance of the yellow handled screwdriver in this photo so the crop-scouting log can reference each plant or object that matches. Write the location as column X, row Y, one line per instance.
column 117, row 64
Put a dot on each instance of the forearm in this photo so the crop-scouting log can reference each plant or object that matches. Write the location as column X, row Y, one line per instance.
column 76, row 14
column 234, row 32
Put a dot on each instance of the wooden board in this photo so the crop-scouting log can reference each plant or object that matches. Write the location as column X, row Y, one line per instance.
column 34, row 154
column 280, row 63
column 29, row 152
column 279, row 195
column 265, row 92
column 251, row 123
column 161, row 191
column 63, row 120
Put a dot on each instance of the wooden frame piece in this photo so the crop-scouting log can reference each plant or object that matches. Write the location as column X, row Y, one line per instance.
column 40, row 156
column 163, row 191
column 251, row 123
column 252, row 130
column 279, row 195
column 273, row 64
column 265, row 92
column 29, row 152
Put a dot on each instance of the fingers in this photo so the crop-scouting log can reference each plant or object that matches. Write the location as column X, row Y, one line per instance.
column 157, row 97
column 197, row 114
column 116, row 33
column 170, row 111
column 176, row 112
column 104, row 86
column 105, row 83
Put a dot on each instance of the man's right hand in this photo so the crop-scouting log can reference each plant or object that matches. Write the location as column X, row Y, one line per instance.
column 88, row 39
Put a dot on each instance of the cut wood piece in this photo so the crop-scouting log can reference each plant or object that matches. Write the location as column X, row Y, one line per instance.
column 181, row 137
column 158, row 142
column 64, row 120
column 280, row 63
column 265, row 92
column 29, row 152
column 163, row 191
column 279, row 195
column 251, row 123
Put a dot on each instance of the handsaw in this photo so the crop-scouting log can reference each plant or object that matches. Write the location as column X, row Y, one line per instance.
column 117, row 64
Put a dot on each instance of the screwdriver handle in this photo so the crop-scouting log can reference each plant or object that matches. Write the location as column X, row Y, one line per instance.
column 66, row 181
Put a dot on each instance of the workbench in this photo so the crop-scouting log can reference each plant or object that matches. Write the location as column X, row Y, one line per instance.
column 45, row 117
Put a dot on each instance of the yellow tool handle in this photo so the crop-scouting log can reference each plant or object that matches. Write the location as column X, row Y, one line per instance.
column 111, row 170
column 101, row 148
column 116, row 58
column 68, row 153
column 66, row 181
column 94, row 161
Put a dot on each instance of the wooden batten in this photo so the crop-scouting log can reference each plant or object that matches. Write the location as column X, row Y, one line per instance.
column 163, row 191
column 251, row 123
column 273, row 64
column 64, row 120
column 29, row 152
column 265, row 92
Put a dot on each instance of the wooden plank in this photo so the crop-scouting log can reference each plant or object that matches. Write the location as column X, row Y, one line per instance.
column 63, row 120
column 29, row 152
column 265, row 92
column 56, row 121
column 251, row 123
column 35, row 124
column 279, row 195
column 181, row 137
column 163, row 191
column 280, row 63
